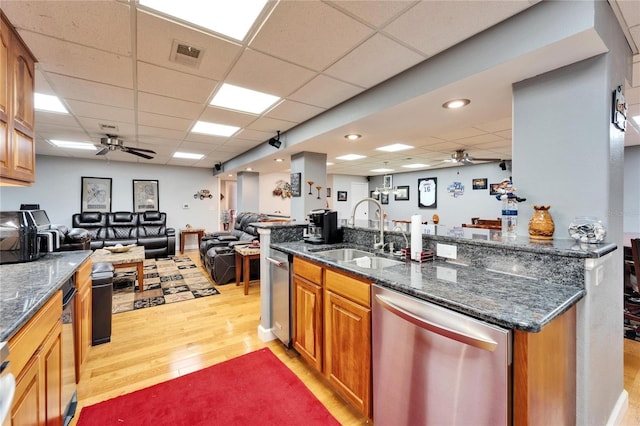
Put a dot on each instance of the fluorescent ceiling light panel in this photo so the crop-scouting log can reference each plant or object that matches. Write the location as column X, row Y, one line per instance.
column 415, row 166
column 381, row 170
column 48, row 103
column 73, row 145
column 231, row 18
column 395, row 147
column 188, row 155
column 636, row 119
column 215, row 129
column 241, row 99
column 350, row 157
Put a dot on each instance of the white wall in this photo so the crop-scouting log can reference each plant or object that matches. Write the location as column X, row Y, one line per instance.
column 269, row 203
column 631, row 220
column 58, row 180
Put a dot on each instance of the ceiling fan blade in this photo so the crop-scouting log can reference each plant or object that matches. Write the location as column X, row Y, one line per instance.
column 487, row 159
column 139, row 154
column 103, row 151
column 141, row 150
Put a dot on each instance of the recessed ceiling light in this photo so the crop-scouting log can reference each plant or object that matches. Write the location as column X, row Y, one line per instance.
column 279, row 160
column 215, row 129
column 48, row 103
column 188, row 155
column 230, row 175
column 329, row 164
column 383, row 170
column 456, row 103
column 395, row 147
column 231, row 18
column 353, row 136
column 249, row 169
column 241, row 99
column 351, row 157
column 415, row 166
column 73, row 145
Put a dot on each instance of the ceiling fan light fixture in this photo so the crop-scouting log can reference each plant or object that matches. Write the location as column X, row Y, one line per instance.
column 456, row 103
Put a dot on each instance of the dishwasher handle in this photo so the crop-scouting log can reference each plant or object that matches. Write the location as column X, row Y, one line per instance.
column 446, row 331
column 276, row 262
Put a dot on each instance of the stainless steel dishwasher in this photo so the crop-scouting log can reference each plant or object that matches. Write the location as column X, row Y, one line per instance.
column 433, row 366
column 280, row 295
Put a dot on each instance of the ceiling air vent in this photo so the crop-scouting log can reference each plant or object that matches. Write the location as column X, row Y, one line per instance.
column 184, row 54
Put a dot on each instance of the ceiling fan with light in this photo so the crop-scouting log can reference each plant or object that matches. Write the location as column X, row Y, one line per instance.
column 465, row 159
column 113, row 143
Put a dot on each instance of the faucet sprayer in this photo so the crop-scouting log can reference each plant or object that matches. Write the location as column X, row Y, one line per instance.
column 352, row 220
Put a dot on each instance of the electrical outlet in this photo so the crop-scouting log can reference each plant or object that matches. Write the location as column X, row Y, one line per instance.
column 446, row 250
column 185, row 206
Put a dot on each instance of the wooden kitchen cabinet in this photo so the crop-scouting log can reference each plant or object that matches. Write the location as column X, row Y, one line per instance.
column 347, row 342
column 17, row 124
column 307, row 317
column 36, row 360
column 83, row 315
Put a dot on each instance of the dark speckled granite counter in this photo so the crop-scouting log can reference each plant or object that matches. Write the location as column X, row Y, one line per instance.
column 25, row 287
column 515, row 284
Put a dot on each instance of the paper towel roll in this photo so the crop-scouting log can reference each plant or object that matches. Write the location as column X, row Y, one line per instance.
column 416, row 236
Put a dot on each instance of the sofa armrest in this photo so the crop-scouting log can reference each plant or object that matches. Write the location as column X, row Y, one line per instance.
column 171, row 232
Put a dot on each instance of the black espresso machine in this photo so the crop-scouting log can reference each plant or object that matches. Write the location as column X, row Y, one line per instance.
column 323, row 227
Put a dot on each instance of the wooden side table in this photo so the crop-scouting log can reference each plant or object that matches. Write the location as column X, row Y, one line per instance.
column 184, row 232
column 244, row 255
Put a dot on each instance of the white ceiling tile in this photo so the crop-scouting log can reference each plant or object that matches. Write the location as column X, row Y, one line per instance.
column 156, row 36
column 173, row 84
column 264, row 73
column 460, row 134
column 374, row 61
column 205, row 139
column 224, row 116
column 104, row 25
column 55, row 119
column 272, row 125
column 294, row 111
column 149, row 133
column 100, row 111
column 324, row 91
column 251, row 135
column 71, row 59
column 433, row 26
column 375, row 12
column 309, row 33
column 75, row 88
column 92, row 126
column 497, row 125
column 41, row 84
column 150, row 102
column 164, row 121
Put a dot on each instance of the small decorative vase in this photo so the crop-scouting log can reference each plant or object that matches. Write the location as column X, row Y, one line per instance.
column 541, row 225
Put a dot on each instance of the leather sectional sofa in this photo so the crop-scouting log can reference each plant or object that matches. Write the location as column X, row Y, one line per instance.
column 146, row 229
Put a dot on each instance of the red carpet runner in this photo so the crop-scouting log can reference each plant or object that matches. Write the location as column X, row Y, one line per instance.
column 256, row 388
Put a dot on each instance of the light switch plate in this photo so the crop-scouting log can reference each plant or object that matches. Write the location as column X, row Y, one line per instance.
column 446, row 250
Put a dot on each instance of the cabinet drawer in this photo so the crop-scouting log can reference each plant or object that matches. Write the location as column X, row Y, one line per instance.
column 349, row 287
column 83, row 275
column 308, row 270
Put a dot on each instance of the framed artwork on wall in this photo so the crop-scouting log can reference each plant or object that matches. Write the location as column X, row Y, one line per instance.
column 493, row 188
column 428, row 193
column 145, row 196
column 402, row 193
column 95, row 194
column 479, row 183
column 342, row 195
column 387, row 181
column 295, row 184
column 384, row 198
column 373, row 195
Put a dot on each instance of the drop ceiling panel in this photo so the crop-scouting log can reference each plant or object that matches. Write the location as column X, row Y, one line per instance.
column 294, row 111
column 247, row 135
column 100, row 24
column 309, row 33
column 271, row 125
column 208, row 139
column 433, row 26
column 173, row 84
column 375, row 60
column 264, row 73
column 148, row 133
column 325, row 92
column 90, row 91
column 374, row 12
column 225, row 116
column 92, row 125
column 495, row 126
column 61, row 57
column 150, row 102
column 51, row 118
column 99, row 111
column 164, row 121
column 156, row 36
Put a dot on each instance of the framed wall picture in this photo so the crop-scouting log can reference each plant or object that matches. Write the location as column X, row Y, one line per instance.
column 493, row 188
column 428, row 192
column 373, row 195
column 95, row 194
column 296, row 184
column 384, row 198
column 328, row 192
column 402, row 193
column 145, row 196
column 387, row 181
column 342, row 195
column 479, row 183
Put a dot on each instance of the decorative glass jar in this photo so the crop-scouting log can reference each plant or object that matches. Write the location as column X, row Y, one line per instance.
column 541, row 225
column 587, row 229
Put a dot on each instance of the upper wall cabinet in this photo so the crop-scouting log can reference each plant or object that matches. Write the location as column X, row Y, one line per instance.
column 17, row 141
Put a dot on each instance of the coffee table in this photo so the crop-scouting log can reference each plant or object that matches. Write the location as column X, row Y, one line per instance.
column 133, row 257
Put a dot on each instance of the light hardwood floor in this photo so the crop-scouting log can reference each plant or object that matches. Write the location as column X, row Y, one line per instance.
column 153, row 345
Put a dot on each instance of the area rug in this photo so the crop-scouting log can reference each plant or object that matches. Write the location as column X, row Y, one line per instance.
column 166, row 280
column 252, row 389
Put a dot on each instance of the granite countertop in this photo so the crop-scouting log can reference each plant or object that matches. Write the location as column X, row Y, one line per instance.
column 26, row 287
column 510, row 301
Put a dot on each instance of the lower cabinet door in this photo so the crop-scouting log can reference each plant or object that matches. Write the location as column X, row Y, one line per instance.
column 348, row 349
column 308, row 321
column 28, row 407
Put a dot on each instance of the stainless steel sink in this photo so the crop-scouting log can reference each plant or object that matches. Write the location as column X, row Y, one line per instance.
column 360, row 258
column 344, row 254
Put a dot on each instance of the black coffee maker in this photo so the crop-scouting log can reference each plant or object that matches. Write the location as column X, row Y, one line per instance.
column 323, row 227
